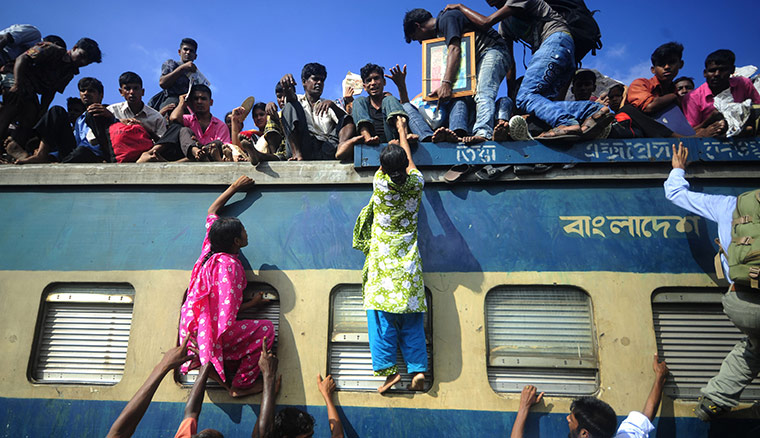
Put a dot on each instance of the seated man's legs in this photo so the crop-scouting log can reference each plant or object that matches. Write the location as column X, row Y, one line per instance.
column 347, row 139
column 56, row 137
column 417, row 124
column 99, row 127
column 296, row 129
column 189, row 145
column 82, row 154
column 392, row 108
column 168, row 147
column 492, row 69
column 364, row 124
column 504, row 110
column 549, row 70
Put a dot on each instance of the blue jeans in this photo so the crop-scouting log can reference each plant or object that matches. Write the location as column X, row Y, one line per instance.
column 549, row 70
column 459, row 116
column 492, row 69
column 504, row 108
column 388, row 331
column 417, row 123
column 391, row 108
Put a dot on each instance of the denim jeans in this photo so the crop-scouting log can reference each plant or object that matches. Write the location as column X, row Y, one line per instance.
column 549, row 70
column 504, row 108
column 742, row 364
column 391, row 108
column 459, row 116
column 492, row 69
column 417, row 123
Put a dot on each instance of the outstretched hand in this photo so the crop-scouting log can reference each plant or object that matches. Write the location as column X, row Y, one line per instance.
column 242, row 183
column 267, row 360
column 326, row 386
column 450, row 7
column 398, row 75
column 679, row 156
column 660, row 368
column 529, row 398
column 177, row 356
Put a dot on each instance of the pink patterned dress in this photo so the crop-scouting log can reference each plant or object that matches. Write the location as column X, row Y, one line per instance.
column 209, row 317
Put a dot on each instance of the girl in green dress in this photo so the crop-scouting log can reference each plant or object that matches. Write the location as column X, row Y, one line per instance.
column 393, row 290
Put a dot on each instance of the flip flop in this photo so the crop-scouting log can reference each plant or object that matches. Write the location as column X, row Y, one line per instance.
column 489, row 172
column 532, row 169
column 457, row 172
column 596, row 127
column 247, row 105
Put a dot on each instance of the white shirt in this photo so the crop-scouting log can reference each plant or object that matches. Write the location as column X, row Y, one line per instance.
column 151, row 118
column 322, row 127
column 717, row 208
column 636, row 425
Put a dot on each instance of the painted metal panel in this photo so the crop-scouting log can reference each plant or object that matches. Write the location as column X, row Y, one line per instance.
column 84, row 334
column 694, row 338
column 540, row 334
column 638, row 150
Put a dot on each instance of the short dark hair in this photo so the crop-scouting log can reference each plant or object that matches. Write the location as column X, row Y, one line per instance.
column 667, row 52
column 584, row 74
column 228, row 116
column 369, row 69
column 413, row 17
column 188, row 42
column 130, row 77
column 91, row 49
column 290, row 422
column 278, row 88
column 313, row 69
column 202, row 88
column 596, row 416
column 722, row 56
column 208, row 433
column 88, row 83
column 685, row 78
column 615, row 87
column 55, row 39
column 259, row 106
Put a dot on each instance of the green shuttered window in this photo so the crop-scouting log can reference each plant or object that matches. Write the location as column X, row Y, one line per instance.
column 83, row 334
column 541, row 335
column 349, row 358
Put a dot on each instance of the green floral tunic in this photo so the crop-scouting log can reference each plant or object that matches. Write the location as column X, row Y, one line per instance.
column 394, row 268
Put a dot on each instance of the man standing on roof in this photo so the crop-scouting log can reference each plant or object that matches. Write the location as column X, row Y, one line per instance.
column 550, row 69
column 741, row 304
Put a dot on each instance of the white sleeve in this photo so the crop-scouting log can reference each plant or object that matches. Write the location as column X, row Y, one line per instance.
column 636, row 425
column 711, row 207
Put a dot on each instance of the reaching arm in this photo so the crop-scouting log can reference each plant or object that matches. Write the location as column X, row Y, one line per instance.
column 179, row 110
column 655, row 395
column 326, row 388
column 528, row 398
column 19, row 72
column 268, row 365
column 242, row 183
column 195, row 401
column 403, row 142
column 130, row 416
column 453, row 60
column 398, row 76
column 481, row 20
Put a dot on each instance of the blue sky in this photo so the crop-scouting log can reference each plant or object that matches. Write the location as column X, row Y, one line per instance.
column 246, row 46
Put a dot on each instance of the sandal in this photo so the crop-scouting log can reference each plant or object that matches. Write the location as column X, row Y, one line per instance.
column 489, row 172
column 596, row 125
column 458, row 172
column 559, row 133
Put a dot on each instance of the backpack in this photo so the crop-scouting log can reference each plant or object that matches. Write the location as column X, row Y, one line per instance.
column 743, row 253
column 583, row 27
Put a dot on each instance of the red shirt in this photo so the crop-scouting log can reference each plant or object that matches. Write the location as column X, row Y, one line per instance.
column 643, row 91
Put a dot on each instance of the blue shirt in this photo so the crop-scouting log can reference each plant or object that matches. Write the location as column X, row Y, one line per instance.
column 80, row 136
column 717, row 208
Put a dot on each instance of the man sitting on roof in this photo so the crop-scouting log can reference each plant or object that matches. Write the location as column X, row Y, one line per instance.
column 43, row 69
column 316, row 128
column 177, row 77
column 698, row 106
column 206, row 134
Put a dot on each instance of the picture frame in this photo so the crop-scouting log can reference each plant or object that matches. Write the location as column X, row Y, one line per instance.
column 434, row 55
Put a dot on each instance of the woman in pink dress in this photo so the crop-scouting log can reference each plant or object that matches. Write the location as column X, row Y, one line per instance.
column 215, row 296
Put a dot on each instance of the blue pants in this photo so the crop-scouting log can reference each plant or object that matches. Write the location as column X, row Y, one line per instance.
column 549, row 70
column 391, row 108
column 492, row 69
column 388, row 331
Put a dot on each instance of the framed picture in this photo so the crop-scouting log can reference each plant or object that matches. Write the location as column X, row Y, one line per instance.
column 434, row 53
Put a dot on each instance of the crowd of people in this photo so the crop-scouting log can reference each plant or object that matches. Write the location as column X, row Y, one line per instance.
column 176, row 124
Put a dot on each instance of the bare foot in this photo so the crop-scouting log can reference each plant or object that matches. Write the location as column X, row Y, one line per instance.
column 256, row 388
column 369, row 139
column 34, row 159
column 345, row 150
column 412, row 138
column 389, row 382
column 562, row 130
column 474, row 139
column 501, row 131
column 394, row 142
column 15, row 150
column 418, row 382
column 445, row 135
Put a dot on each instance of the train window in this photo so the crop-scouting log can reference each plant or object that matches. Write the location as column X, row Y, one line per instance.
column 349, row 358
column 540, row 335
column 694, row 336
column 269, row 311
column 83, row 334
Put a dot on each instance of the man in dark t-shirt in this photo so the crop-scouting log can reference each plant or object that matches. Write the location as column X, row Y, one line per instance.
column 492, row 58
column 550, row 69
